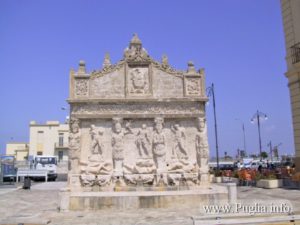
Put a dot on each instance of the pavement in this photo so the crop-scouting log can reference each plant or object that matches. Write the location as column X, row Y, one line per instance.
column 39, row 205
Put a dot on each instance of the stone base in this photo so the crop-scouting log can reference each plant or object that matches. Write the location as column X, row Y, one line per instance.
column 144, row 199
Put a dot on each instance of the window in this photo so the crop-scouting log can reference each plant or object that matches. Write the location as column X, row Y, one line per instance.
column 60, row 155
column 40, row 136
column 39, row 153
column 60, row 139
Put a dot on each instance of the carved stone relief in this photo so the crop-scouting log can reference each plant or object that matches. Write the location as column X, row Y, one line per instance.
column 74, row 145
column 193, row 86
column 144, row 143
column 138, row 81
column 179, row 149
column 202, row 145
column 160, row 151
column 159, row 144
column 81, row 87
column 117, row 145
column 92, row 171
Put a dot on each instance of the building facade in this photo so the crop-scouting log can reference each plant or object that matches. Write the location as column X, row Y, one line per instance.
column 18, row 149
column 50, row 138
column 291, row 22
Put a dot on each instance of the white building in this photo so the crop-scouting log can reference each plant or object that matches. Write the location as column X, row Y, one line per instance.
column 50, row 138
column 291, row 22
column 17, row 149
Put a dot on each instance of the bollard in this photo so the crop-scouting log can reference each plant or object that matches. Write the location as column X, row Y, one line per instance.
column 232, row 192
column 27, row 183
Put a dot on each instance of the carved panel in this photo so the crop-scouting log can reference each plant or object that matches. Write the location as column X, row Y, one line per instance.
column 138, row 80
column 81, row 87
column 192, row 86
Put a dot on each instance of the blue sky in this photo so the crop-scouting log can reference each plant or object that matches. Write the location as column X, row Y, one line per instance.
column 239, row 43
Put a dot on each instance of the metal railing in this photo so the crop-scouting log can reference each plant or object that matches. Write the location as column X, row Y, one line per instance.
column 295, row 53
column 61, row 145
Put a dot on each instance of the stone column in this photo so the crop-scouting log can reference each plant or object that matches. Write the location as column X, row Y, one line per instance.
column 291, row 22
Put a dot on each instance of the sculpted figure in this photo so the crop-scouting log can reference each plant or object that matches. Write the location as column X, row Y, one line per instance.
column 143, row 142
column 159, row 144
column 74, row 145
column 128, row 129
column 179, row 149
column 96, row 145
column 94, row 169
column 202, row 144
column 117, row 145
column 96, row 164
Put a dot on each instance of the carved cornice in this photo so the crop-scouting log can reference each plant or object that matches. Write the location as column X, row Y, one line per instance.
column 132, row 100
column 107, row 70
column 165, row 109
column 167, row 68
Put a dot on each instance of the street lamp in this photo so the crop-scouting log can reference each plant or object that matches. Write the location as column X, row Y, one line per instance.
column 211, row 92
column 259, row 115
column 244, row 134
column 67, row 117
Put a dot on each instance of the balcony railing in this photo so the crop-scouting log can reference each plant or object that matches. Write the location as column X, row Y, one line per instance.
column 295, row 53
column 61, row 145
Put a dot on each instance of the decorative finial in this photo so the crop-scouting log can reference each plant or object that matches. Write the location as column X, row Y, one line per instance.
column 191, row 67
column 106, row 62
column 136, row 53
column 165, row 60
column 135, row 39
column 202, row 71
column 81, row 63
column 81, row 69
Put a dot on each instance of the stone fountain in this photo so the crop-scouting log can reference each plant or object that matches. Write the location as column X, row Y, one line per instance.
column 138, row 136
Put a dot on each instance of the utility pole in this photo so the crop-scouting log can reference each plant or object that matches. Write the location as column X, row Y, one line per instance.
column 271, row 150
column 244, row 135
column 244, row 139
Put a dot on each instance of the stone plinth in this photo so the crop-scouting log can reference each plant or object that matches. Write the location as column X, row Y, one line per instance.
column 147, row 199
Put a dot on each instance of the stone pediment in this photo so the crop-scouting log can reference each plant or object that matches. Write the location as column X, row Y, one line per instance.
column 137, row 75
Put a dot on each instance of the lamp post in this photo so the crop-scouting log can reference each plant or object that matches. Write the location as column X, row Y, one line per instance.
column 244, row 135
column 211, row 92
column 1, row 172
column 259, row 115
